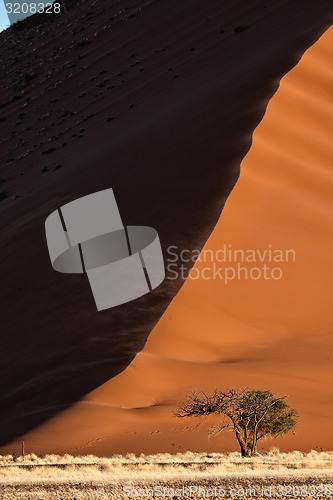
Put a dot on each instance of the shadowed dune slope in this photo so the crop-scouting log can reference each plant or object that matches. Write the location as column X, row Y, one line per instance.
column 270, row 333
column 159, row 102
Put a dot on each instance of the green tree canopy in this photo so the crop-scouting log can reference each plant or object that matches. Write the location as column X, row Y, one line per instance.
column 252, row 414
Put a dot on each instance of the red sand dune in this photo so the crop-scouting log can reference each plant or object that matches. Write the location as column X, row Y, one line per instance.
column 198, row 90
column 273, row 334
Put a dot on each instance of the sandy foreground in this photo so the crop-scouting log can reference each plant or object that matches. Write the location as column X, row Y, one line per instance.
column 265, row 333
column 190, row 475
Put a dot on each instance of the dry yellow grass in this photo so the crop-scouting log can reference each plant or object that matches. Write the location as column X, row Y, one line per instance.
column 189, row 475
column 66, row 468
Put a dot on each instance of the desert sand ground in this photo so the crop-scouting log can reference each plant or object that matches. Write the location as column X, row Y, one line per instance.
column 190, row 475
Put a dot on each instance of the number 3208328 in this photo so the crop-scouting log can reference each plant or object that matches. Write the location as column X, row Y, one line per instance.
column 32, row 8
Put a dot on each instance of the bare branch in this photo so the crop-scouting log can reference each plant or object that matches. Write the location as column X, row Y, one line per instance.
column 254, row 413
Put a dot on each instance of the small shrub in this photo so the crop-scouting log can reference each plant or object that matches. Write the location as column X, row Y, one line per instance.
column 23, row 81
column 3, row 195
column 48, row 151
column 2, row 180
column 65, row 113
column 240, row 28
column 10, row 160
column 12, row 99
column 83, row 42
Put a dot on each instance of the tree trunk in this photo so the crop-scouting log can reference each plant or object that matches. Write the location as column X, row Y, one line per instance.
column 254, row 448
column 247, row 452
column 254, row 442
column 245, row 448
column 244, row 442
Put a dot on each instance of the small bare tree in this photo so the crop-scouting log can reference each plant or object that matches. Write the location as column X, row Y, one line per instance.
column 254, row 413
